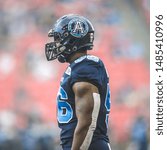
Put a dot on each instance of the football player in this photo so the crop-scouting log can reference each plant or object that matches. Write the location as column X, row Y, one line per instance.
column 83, row 101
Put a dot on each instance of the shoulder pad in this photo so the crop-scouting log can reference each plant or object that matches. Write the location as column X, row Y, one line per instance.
column 80, row 59
column 93, row 58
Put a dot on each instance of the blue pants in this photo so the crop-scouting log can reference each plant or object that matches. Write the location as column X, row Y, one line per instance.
column 97, row 145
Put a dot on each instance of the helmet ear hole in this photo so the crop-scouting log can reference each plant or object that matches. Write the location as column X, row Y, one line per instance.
column 66, row 34
column 74, row 48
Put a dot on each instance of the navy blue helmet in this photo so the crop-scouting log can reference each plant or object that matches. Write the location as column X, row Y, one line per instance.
column 70, row 33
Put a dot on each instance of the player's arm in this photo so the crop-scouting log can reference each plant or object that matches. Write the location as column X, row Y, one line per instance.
column 87, row 103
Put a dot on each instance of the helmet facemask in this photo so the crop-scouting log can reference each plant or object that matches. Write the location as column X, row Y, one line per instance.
column 54, row 49
column 62, row 47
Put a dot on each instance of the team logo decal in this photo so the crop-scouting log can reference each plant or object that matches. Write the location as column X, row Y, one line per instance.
column 78, row 28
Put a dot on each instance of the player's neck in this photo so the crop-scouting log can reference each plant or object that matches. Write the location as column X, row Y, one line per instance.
column 75, row 56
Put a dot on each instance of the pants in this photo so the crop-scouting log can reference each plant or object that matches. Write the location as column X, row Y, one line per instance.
column 97, row 145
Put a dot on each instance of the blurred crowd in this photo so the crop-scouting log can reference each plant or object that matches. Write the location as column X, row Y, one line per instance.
column 29, row 84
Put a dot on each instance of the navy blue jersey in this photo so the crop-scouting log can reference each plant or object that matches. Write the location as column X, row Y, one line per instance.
column 90, row 69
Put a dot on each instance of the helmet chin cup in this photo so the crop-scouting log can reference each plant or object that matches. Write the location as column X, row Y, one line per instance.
column 61, row 58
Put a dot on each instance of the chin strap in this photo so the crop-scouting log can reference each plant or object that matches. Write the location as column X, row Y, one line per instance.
column 64, row 57
column 61, row 58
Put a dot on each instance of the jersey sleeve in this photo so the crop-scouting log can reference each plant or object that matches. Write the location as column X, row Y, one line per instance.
column 88, row 72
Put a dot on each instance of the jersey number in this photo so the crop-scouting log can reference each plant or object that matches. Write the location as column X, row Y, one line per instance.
column 65, row 112
column 107, row 103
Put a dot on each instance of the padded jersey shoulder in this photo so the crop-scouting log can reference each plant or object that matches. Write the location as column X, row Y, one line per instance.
column 87, row 68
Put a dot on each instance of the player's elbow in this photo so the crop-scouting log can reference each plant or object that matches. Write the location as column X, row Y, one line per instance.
column 84, row 124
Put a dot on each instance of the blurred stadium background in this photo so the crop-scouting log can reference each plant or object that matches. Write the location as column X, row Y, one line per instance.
column 29, row 84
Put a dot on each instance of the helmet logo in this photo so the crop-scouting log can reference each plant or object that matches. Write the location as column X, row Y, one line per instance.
column 78, row 28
